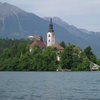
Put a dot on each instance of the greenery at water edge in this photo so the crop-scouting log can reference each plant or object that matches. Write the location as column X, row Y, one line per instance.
column 15, row 56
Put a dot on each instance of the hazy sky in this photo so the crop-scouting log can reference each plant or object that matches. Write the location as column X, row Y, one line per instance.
column 81, row 13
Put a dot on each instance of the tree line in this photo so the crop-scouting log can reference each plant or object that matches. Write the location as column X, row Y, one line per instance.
column 15, row 56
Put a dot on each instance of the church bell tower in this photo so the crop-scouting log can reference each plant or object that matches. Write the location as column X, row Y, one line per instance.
column 50, row 35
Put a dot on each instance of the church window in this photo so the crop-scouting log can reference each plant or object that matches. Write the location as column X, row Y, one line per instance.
column 49, row 35
column 49, row 40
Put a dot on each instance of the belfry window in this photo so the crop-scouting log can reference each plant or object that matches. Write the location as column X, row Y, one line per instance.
column 49, row 35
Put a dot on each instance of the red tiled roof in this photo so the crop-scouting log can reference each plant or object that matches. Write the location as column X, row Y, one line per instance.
column 58, row 46
column 39, row 43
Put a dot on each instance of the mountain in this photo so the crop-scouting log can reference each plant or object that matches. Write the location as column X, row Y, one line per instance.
column 17, row 23
column 86, row 37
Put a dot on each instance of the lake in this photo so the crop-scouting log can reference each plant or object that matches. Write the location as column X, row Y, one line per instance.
column 49, row 85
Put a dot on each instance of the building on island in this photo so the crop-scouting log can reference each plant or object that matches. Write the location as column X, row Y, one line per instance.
column 37, row 41
column 31, row 37
column 51, row 41
column 94, row 66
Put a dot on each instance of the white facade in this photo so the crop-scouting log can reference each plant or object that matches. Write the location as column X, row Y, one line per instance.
column 50, row 38
column 94, row 66
column 50, row 35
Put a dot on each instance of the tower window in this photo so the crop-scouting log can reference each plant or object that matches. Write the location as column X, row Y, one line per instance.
column 49, row 40
column 49, row 35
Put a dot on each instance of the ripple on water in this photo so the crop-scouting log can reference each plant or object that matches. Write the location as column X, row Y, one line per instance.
column 49, row 86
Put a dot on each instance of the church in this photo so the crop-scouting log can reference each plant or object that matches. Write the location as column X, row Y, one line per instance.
column 51, row 39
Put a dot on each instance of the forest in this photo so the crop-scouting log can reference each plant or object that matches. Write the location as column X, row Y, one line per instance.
column 15, row 56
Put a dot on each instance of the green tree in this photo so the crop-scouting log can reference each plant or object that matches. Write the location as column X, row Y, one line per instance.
column 67, row 57
column 73, row 58
column 84, row 63
column 91, row 56
column 24, row 63
column 63, row 44
column 49, row 61
column 98, row 62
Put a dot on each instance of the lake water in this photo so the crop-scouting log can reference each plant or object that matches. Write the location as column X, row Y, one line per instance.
column 49, row 85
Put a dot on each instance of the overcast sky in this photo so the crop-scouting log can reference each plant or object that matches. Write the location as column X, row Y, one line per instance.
column 81, row 13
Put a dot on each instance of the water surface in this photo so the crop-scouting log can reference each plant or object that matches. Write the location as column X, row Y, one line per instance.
column 49, row 85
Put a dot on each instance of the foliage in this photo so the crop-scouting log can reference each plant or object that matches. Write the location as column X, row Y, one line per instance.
column 63, row 44
column 91, row 56
column 98, row 62
column 73, row 58
column 18, row 58
column 15, row 56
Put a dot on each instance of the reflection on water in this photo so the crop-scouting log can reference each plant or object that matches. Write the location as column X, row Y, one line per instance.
column 49, row 85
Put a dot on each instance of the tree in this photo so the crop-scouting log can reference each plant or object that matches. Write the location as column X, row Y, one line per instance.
column 98, row 62
column 91, row 56
column 73, row 58
column 63, row 44
column 49, row 59
column 24, row 63
column 84, row 63
column 67, row 57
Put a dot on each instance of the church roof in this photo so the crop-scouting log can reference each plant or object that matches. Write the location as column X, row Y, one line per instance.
column 39, row 43
column 57, row 46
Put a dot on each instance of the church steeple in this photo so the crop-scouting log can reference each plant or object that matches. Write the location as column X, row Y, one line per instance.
column 50, row 34
column 51, row 26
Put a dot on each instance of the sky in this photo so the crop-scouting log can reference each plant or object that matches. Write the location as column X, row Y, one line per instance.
column 81, row 13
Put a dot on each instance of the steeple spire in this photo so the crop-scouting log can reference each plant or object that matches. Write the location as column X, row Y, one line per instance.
column 50, row 34
column 51, row 26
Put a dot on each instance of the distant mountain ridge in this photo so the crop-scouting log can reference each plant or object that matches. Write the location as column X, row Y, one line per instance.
column 17, row 23
column 87, row 37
